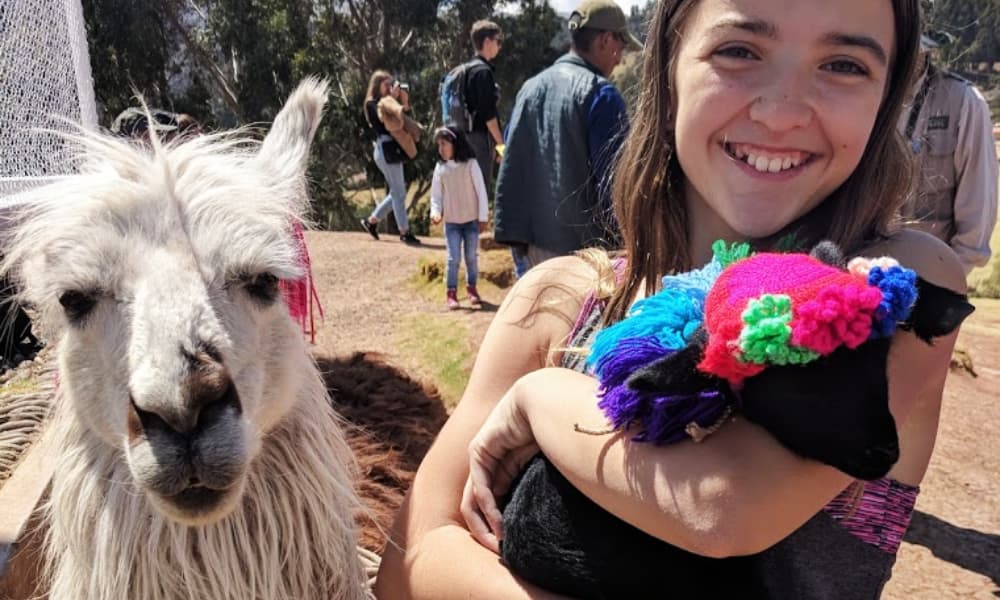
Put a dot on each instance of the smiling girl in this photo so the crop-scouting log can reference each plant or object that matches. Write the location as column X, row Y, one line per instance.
column 758, row 120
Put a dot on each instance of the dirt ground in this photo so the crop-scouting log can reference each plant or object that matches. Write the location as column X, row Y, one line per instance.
column 953, row 547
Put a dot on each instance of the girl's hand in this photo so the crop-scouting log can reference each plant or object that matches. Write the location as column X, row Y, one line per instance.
column 436, row 219
column 504, row 444
column 482, row 226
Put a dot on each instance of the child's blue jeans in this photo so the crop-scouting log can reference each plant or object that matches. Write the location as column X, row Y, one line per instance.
column 456, row 234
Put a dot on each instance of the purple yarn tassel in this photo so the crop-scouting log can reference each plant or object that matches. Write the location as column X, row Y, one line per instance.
column 621, row 404
column 660, row 417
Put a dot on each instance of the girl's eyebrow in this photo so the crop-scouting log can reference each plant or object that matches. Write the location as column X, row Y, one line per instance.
column 860, row 41
column 754, row 26
column 768, row 30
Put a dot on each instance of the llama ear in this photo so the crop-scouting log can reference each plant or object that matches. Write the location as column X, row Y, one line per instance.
column 286, row 147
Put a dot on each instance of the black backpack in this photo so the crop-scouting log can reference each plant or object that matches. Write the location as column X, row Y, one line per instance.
column 454, row 104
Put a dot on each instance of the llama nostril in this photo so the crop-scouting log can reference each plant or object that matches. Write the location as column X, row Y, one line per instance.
column 143, row 422
column 215, row 409
column 134, row 421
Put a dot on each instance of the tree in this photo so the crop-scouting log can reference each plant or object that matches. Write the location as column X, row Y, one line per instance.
column 972, row 26
column 232, row 62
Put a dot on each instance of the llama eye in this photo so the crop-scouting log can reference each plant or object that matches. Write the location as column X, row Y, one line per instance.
column 77, row 305
column 262, row 287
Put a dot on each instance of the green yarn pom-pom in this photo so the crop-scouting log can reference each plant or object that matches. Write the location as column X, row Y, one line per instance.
column 765, row 334
column 727, row 255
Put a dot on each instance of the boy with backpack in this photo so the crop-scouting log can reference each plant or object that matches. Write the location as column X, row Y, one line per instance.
column 469, row 96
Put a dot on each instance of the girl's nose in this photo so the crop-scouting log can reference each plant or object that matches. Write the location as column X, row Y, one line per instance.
column 780, row 112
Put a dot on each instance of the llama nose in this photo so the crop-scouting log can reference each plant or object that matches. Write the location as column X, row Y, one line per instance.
column 203, row 411
column 207, row 394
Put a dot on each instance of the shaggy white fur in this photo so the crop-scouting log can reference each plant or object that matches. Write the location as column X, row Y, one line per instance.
column 199, row 456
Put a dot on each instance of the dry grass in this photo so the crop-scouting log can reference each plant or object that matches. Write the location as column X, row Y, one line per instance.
column 984, row 282
column 29, row 385
column 495, row 267
column 440, row 345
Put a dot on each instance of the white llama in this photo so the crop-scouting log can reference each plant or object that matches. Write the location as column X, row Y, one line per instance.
column 198, row 454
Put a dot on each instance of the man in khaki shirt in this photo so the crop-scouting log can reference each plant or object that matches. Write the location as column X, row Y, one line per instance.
column 947, row 126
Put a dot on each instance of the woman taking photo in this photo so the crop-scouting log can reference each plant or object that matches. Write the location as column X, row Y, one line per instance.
column 389, row 155
column 757, row 120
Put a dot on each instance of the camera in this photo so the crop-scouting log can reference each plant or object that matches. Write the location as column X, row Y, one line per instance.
column 403, row 86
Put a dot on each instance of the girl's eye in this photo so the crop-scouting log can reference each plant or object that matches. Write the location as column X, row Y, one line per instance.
column 736, row 52
column 847, row 67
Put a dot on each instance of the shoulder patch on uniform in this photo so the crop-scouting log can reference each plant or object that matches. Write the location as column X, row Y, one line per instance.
column 937, row 122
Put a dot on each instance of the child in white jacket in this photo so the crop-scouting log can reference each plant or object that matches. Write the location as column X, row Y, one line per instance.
column 458, row 196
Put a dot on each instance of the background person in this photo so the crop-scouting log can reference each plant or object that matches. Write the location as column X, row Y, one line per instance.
column 567, row 124
column 389, row 158
column 133, row 122
column 458, row 197
column 947, row 126
column 481, row 96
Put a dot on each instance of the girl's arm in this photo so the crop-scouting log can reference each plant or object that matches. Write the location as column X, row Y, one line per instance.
column 431, row 554
column 480, row 185
column 737, row 492
column 436, row 191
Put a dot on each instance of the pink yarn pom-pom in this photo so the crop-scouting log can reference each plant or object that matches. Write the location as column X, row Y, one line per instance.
column 838, row 315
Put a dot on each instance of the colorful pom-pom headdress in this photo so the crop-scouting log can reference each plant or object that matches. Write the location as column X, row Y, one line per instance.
column 686, row 357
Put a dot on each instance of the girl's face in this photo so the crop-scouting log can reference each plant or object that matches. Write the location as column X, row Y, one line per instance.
column 775, row 103
column 445, row 149
column 386, row 87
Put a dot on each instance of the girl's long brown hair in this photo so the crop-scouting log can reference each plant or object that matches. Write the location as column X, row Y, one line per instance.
column 648, row 185
column 375, row 88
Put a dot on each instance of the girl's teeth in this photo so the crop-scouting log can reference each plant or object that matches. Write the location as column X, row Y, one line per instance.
column 763, row 163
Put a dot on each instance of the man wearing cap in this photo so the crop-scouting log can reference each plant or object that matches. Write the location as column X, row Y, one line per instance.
column 567, row 124
column 947, row 127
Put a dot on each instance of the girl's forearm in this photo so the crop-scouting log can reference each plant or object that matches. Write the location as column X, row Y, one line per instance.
column 448, row 564
column 737, row 492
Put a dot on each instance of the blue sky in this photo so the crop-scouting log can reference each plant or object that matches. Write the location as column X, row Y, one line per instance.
column 565, row 6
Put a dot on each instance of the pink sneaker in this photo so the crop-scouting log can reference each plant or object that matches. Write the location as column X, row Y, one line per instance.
column 451, row 300
column 474, row 298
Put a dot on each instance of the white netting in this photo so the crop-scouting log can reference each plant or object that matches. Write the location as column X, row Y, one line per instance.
column 44, row 74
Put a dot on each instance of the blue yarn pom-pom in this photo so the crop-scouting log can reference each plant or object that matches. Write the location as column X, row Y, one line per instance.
column 899, row 293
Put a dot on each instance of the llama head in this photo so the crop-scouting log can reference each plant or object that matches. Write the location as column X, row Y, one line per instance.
column 157, row 270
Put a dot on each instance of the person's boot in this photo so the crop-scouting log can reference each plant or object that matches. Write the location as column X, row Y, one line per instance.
column 474, row 298
column 451, row 299
column 370, row 227
column 409, row 239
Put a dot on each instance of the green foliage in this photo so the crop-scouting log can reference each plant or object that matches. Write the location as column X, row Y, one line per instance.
column 128, row 48
column 527, row 47
column 973, row 26
column 232, row 62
